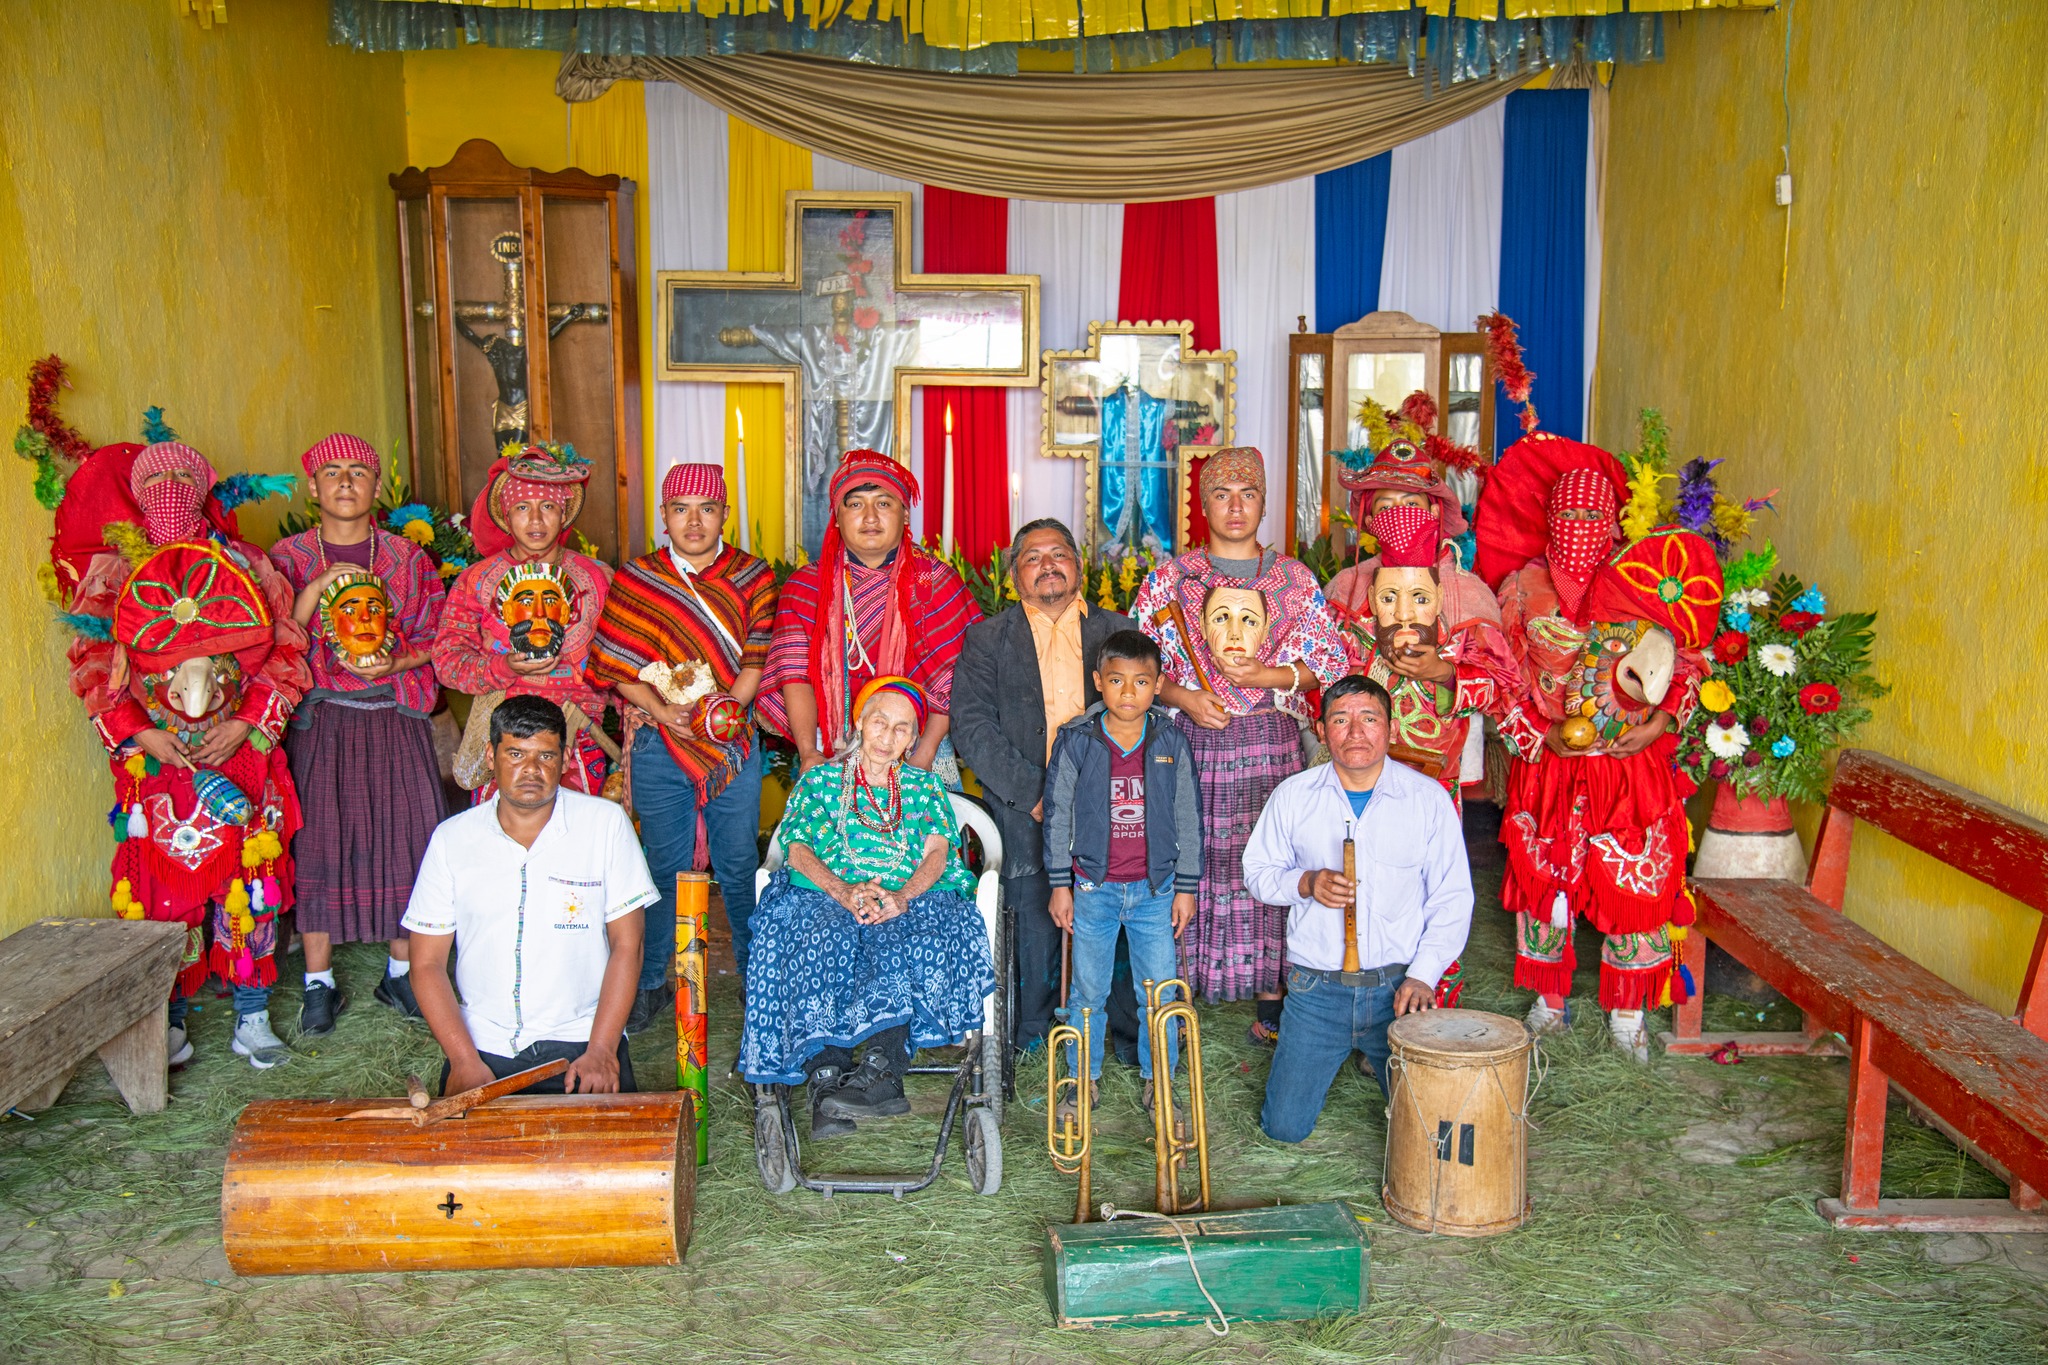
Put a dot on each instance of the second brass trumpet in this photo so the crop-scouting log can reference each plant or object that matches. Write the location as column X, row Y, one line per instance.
column 1176, row 1137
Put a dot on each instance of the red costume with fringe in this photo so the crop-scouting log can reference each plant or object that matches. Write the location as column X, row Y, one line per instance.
column 1599, row 834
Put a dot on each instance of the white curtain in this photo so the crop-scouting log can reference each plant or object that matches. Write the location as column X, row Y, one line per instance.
column 1266, row 282
column 686, row 168
column 1442, row 261
column 1076, row 250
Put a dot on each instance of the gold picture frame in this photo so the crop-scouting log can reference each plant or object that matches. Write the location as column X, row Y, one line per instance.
column 1072, row 380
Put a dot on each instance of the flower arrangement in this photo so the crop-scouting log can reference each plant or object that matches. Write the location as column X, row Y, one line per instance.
column 1117, row 574
column 988, row 584
column 1788, row 685
column 1689, row 498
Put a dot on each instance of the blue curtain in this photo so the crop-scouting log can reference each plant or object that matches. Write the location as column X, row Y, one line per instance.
column 1543, row 253
column 1351, row 236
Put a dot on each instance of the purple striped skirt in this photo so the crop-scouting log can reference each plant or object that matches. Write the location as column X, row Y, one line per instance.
column 1234, row 946
column 370, row 790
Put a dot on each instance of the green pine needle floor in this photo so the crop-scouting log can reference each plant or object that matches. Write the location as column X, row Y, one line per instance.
column 1673, row 1221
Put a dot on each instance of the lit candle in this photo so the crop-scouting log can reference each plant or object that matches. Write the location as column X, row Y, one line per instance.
column 1016, row 498
column 740, row 469
column 946, row 519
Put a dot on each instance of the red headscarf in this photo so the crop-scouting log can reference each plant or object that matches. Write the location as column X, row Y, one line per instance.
column 1578, row 544
column 1409, row 537
column 173, row 511
column 1513, row 525
column 340, row 447
column 694, row 480
column 859, row 469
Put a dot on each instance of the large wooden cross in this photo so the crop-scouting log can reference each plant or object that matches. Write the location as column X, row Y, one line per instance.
column 847, row 329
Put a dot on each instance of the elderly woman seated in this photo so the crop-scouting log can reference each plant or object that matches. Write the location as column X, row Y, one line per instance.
column 870, row 935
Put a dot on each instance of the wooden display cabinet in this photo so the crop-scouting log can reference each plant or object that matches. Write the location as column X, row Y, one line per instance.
column 492, row 258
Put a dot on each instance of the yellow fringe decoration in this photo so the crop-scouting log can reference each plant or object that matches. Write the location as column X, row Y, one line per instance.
column 46, row 579
column 129, row 539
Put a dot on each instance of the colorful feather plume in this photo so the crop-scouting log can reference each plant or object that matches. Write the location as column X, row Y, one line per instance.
column 46, row 580
column 129, row 539
column 91, row 627
column 1504, row 351
column 1379, row 427
column 1419, row 408
column 1752, row 570
column 154, row 427
column 46, row 437
column 1451, row 455
column 237, row 490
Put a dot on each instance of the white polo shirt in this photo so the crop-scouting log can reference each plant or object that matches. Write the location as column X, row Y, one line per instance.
column 529, row 922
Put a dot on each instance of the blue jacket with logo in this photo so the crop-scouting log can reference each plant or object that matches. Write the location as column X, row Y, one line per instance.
column 1077, row 804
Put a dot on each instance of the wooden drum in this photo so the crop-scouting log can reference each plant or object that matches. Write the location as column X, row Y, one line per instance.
column 525, row 1181
column 1457, row 1152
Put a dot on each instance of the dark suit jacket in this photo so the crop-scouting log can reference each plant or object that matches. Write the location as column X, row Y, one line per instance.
column 999, row 719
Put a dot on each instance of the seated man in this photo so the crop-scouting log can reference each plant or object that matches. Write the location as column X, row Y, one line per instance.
column 545, row 887
column 1413, row 896
column 871, row 933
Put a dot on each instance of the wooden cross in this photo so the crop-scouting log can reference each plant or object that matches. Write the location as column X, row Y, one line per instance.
column 449, row 1205
column 847, row 328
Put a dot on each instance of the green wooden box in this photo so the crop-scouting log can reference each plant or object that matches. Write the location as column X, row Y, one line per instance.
column 1262, row 1265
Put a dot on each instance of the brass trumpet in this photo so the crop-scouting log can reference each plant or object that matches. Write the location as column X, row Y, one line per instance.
column 1069, row 1142
column 1175, row 1138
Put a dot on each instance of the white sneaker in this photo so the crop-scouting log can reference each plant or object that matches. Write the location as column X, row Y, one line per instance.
column 1626, row 1028
column 1542, row 1019
column 177, row 1047
column 254, row 1040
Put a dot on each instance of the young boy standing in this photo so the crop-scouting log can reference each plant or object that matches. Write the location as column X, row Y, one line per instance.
column 1123, row 837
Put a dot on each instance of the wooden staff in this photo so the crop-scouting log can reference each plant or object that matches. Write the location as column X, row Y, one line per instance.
column 1171, row 614
column 1351, row 906
column 693, row 1044
column 455, row 1106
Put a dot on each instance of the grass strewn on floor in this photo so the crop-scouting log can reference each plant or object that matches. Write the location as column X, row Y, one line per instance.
column 1673, row 1221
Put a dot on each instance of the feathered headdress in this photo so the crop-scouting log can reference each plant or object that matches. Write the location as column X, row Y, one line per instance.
column 1504, row 351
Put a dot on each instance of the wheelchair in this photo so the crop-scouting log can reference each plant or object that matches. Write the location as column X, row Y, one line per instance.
column 975, row 1102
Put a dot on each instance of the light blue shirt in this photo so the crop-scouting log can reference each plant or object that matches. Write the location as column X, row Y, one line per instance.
column 1414, row 883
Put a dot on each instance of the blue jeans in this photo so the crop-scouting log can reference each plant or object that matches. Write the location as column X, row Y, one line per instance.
column 248, row 1000
column 666, row 802
column 1322, row 1024
column 1146, row 919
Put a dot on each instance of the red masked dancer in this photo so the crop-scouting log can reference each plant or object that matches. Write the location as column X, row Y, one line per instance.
column 519, row 621
column 362, row 741
column 1245, row 726
column 873, row 606
column 1610, row 651
column 189, row 669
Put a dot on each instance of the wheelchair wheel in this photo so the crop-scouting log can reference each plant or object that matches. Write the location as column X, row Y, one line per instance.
column 994, row 1055
column 984, row 1141
column 771, row 1152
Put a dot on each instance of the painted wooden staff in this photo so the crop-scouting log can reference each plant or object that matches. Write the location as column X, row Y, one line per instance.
column 693, row 1043
column 1171, row 614
column 1351, row 906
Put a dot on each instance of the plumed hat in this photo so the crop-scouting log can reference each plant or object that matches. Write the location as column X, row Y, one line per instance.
column 1404, row 468
column 1670, row 578
column 188, row 600
column 532, row 472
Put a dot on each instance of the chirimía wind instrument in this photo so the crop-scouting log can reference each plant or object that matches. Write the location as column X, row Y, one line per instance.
column 1351, row 905
column 693, row 1046
column 1174, row 1136
column 1069, row 1141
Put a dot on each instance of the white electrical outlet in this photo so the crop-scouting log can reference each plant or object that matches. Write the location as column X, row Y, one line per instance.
column 1781, row 190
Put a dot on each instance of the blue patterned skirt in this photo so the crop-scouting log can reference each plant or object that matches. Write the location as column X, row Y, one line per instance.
column 818, row 978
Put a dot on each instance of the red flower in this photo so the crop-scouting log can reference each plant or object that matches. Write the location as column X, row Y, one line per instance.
column 864, row 318
column 1820, row 698
column 1798, row 622
column 1718, row 768
column 1752, row 757
column 1731, row 647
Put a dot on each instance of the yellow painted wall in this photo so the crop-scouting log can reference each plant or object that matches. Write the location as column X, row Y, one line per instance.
column 193, row 218
column 1896, row 398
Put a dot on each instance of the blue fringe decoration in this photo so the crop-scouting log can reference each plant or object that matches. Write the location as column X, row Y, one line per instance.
column 1685, row 979
column 238, row 489
column 99, row 628
column 154, row 428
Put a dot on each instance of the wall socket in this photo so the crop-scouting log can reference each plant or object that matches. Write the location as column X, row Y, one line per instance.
column 1781, row 190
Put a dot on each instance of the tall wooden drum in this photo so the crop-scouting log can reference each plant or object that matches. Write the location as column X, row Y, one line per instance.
column 1457, row 1150
column 525, row 1181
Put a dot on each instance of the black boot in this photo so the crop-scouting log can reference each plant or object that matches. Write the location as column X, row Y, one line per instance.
column 646, row 1005
column 317, row 1009
column 396, row 991
column 825, row 1122
column 873, row 1091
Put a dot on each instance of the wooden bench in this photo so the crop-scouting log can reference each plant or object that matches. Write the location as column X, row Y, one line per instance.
column 73, row 987
column 1980, row 1075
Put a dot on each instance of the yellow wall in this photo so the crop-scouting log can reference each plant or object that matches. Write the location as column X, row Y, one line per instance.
column 1896, row 398
column 193, row 218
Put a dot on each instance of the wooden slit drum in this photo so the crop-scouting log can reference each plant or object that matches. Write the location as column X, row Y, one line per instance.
column 525, row 1181
column 1457, row 1147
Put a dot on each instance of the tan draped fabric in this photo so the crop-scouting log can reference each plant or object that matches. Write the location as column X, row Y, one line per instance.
column 1108, row 139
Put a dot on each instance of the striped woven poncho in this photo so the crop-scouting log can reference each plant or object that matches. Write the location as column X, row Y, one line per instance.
column 723, row 615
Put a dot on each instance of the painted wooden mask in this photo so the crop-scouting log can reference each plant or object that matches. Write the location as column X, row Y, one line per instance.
column 1406, row 610
column 355, row 616
column 193, row 696
column 1624, row 671
column 533, row 602
column 1234, row 622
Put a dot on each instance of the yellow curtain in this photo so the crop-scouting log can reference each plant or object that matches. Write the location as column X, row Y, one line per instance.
column 761, row 169
column 608, row 136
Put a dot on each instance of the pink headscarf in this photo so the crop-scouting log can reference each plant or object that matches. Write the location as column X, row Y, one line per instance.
column 338, row 447
column 694, row 480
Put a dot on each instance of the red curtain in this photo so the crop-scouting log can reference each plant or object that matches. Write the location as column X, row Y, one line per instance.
column 1169, row 267
column 968, row 234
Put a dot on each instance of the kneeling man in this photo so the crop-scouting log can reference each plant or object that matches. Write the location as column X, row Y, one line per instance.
column 545, row 888
column 1413, row 893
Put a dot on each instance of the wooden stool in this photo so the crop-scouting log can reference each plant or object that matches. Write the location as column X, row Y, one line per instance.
column 72, row 987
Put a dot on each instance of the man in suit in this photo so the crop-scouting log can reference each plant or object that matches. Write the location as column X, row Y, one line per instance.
column 1020, row 676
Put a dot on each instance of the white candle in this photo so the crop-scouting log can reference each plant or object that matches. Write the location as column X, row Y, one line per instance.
column 740, row 469
column 1016, row 500
column 946, row 518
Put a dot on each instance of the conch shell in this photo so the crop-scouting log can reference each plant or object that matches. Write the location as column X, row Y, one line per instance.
column 680, row 684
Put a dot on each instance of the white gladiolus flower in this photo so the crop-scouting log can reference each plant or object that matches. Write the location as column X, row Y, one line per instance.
column 1727, row 741
column 1778, row 660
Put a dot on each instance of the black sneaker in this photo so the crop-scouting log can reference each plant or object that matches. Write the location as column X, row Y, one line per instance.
column 646, row 1005
column 396, row 991
column 318, row 1008
column 825, row 1084
column 871, row 1092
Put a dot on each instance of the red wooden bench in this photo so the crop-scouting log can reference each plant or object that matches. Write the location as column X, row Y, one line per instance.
column 1981, row 1075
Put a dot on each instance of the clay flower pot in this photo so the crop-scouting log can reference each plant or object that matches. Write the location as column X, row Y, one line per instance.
column 1750, row 836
